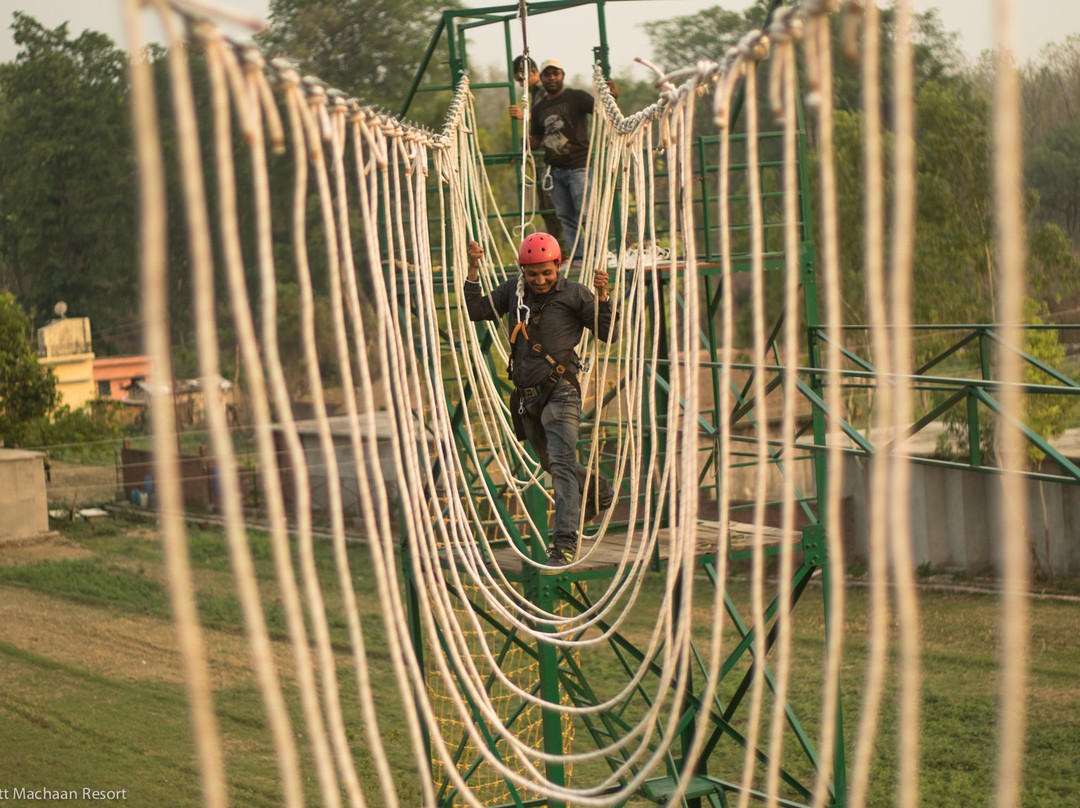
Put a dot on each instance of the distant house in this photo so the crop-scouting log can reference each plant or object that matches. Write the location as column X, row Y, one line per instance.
column 65, row 346
column 189, row 401
column 116, row 377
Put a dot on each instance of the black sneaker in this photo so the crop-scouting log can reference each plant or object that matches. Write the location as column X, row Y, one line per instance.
column 606, row 499
column 591, row 510
column 559, row 557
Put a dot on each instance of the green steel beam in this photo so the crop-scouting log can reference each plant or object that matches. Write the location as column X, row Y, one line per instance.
column 424, row 62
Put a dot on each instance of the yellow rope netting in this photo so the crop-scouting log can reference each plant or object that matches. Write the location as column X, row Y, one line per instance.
column 523, row 670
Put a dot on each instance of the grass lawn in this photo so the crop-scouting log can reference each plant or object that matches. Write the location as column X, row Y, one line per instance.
column 91, row 694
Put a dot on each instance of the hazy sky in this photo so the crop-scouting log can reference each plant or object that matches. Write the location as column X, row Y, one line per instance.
column 570, row 35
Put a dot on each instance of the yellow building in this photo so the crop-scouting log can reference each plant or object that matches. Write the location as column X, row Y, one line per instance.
column 65, row 346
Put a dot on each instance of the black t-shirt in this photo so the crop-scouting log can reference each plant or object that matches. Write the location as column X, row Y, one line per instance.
column 563, row 128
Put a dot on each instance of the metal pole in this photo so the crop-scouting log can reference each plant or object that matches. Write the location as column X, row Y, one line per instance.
column 432, row 45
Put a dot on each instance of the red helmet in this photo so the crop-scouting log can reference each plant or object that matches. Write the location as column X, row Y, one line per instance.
column 536, row 248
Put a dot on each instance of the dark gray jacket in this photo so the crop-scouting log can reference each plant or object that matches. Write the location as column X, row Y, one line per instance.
column 556, row 323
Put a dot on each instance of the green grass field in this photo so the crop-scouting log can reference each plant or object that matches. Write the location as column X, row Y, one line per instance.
column 91, row 694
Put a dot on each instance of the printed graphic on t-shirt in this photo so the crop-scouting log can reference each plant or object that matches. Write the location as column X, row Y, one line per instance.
column 561, row 126
column 555, row 141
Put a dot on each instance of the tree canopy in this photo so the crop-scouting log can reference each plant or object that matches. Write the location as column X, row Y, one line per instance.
column 370, row 48
column 66, row 178
column 27, row 389
column 68, row 202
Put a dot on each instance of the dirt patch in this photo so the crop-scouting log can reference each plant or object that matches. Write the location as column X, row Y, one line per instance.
column 121, row 646
column 55, row 548
column 85, row 485
column 109, row 641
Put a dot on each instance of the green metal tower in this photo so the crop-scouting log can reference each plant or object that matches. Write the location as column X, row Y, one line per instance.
column 582, row 679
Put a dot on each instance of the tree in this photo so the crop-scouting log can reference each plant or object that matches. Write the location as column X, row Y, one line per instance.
column 953, row 262
column 953, row 232
column 1052, row 266
column 935, row 51
column 1053, row 168
column 679, row 41
column 1051, row 89
column 708, row 34
column 371, row 48
column 67, row 178
column 27, row 389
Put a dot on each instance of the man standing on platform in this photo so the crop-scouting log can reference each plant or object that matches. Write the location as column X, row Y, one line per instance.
column 560, row 126
column 536, row 93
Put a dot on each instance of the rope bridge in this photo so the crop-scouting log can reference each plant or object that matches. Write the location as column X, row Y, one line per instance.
column 520, row 684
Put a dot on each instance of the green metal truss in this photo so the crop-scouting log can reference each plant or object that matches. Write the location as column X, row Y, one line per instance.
column 563, row 675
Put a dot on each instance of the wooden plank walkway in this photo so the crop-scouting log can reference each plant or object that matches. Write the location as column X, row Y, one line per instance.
column 609, row 552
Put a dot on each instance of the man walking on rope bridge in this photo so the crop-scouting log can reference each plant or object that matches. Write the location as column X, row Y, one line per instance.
column 560, row 127
column 531, row 82
column 547, row 314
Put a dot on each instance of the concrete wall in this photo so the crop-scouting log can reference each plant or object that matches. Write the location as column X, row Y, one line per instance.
column 65, row 337
column 22, row 495
column 74, row 378
column 65, row 346
column 348, row 474
column 955, row 522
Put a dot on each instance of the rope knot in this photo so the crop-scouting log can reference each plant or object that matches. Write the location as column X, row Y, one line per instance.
column 287, row 74
column 254, row 60
column 206, row 32
column 820, row 7
column 754, row 46
column 705, row 70
column 786, row 25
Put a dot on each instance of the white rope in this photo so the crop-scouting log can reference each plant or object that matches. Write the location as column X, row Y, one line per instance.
column 1015, row 563
column 366, row 451
column 900, row 553
column 418, row 721
column 878, row 628
column 819, row 72
column 306, row 140
column 784, row 87
column 419, row 335
column 221, row 440
column 153, row 279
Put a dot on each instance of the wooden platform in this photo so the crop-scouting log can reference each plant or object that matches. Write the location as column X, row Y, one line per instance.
column 608, row 553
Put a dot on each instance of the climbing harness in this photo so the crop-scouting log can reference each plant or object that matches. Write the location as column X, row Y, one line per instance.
column 531, row 400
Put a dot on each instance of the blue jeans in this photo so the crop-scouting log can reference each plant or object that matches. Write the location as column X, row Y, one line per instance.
column 569, row 191
column 554, row 437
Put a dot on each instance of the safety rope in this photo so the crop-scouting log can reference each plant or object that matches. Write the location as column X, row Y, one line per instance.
column 355, row 163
